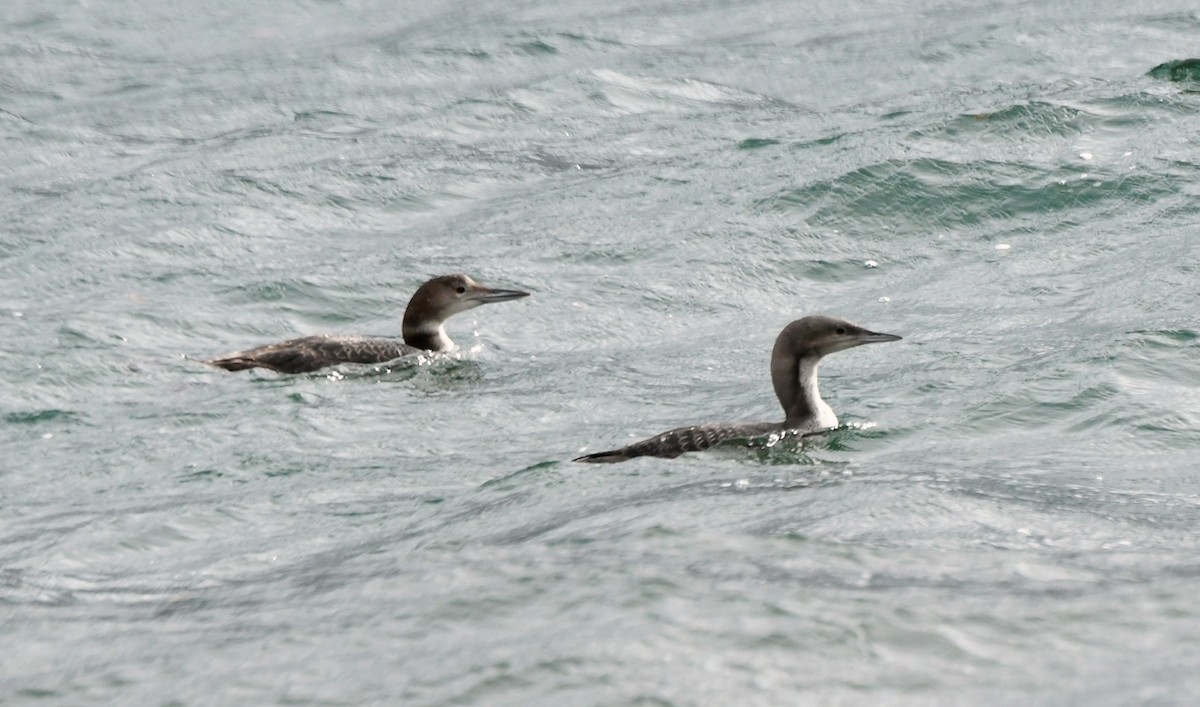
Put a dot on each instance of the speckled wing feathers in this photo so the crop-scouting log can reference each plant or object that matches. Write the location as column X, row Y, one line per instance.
column 311, row 353
column 682, row 440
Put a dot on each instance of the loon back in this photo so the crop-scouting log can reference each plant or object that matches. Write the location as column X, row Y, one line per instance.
column 681, row 440
column 312, row 353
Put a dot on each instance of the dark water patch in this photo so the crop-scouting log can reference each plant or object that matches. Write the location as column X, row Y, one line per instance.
column 1164, row 338
column 494, row 110
column 1120, row 115
column 754, row 143
column 554, row 522
column 318, row 116
column 536, row 46
column 35, row 417
column 188, row 419
column 279, row 472
column 239, row 183
column 10, row 114
column 124, row 89
column 1169, row 430
column 457, row 52
column 1146, row 509
column 204, row 475
column 1186, row 21
column 1145, row 427
column 1029, row 409
column 419, row 202
column 957, row 49
column 40, row 20
column 297, row 290
column 37, row 693
column 331, row 124
column 804, row 146
column 1160, row 357
column 957, row 195
column 1018, row 122
column 1180, row 70
column 589, row 39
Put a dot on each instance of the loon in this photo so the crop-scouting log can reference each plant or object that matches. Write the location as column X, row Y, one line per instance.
column 798, row 351
column 431, row 305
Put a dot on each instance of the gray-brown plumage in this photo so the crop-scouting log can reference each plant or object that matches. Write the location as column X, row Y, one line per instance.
column 431, row 305
column 798, row 351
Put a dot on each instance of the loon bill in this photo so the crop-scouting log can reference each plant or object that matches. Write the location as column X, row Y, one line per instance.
column 798, row 350
column 431, row 305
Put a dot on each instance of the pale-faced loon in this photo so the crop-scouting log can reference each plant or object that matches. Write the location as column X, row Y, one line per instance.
column 431, row 305
column 794, row 360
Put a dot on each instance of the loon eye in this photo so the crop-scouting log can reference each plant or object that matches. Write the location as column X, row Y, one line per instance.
column 460, row 289
column 841, row 330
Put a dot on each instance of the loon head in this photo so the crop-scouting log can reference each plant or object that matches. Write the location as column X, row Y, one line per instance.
column 441, row 298
column 794, row 360
column 818, row 336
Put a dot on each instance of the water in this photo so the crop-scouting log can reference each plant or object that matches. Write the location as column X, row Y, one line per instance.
column 1008, row 517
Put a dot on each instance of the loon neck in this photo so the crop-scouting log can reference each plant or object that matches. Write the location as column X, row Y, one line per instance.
column 799, row 391
column 429, row 336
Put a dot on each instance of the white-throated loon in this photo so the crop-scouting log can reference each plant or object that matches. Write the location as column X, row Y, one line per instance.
column 431, row 305
column 798, row 351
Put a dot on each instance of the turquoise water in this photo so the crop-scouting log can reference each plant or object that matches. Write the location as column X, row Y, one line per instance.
column 1008, row 516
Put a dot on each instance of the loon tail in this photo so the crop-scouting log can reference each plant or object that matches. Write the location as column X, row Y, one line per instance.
column 233, row 363
column 612, row 456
